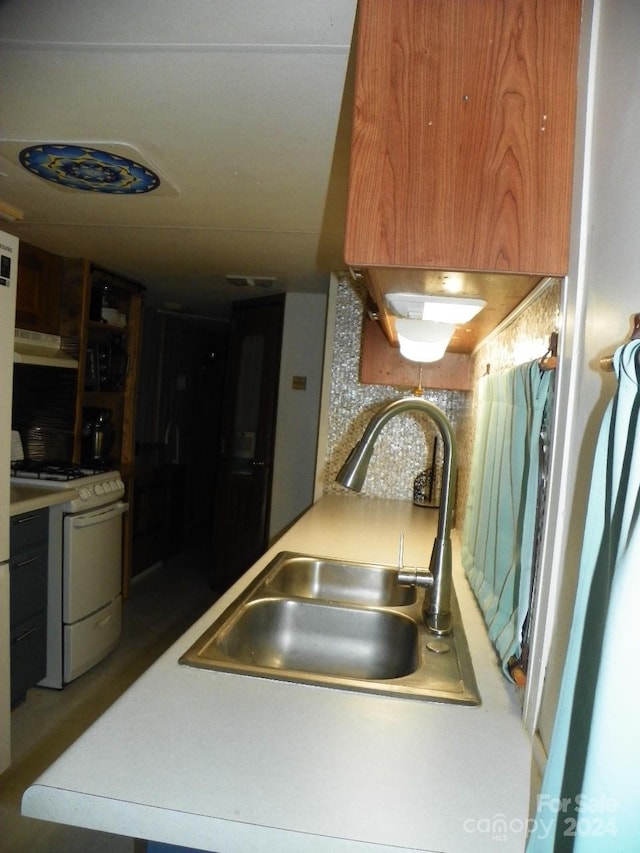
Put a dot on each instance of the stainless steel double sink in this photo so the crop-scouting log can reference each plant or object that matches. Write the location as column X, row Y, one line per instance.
column 338, row 624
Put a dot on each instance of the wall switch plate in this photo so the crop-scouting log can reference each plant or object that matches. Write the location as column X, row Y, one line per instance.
column 299, row 383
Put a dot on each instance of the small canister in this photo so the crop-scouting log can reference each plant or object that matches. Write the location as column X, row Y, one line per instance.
column 423, row 488
column 425, row 485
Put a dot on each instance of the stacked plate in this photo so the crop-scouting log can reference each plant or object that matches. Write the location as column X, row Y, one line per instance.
column 114, row 317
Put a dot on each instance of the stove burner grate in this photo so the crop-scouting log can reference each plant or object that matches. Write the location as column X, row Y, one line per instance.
column 50, row 471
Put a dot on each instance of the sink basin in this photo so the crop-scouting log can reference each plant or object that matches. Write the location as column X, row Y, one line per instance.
column 344, row 625
column 281, row 633
column 332, row 580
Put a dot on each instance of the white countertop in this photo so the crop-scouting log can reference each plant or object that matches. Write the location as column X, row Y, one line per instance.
column 226, row 762
column 31, row 498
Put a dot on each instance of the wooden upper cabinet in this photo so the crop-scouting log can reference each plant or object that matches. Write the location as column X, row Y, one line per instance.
column 463, row 135
column 38, row 292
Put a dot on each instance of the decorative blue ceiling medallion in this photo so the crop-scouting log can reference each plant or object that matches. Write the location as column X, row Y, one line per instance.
column 89, row 169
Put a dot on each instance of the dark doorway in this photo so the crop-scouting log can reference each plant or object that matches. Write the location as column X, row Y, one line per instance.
column 241, row 518
column 177, row 434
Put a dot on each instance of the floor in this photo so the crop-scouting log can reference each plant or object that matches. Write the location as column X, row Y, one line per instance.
column 163, row 603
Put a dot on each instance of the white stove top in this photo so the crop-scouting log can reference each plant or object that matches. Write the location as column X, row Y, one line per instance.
column 84, row 477
column 87, row 487
column 55, row 474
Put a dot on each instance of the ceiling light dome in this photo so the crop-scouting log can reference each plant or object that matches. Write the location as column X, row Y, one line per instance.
column 423, row 340
column 90, row 169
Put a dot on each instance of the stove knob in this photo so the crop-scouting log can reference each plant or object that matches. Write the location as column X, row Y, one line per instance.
column 120, row 484
column 107, row 486
column 84, row 493
column 98, row 489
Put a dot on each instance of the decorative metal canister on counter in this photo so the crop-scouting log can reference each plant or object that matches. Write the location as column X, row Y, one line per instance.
column 426, row 486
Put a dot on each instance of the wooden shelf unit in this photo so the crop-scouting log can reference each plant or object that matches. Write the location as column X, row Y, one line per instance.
column 80, row 280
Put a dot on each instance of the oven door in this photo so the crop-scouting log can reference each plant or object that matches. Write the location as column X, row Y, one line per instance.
column 92, row 560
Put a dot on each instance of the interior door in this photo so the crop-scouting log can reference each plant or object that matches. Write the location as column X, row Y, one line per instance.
column 241, row 515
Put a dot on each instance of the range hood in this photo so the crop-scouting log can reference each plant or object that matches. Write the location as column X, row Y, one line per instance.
column 42, row 349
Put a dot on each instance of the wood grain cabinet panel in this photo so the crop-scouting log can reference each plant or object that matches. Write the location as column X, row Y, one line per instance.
column 38, row 292
column 381, row 364
column 463, row 135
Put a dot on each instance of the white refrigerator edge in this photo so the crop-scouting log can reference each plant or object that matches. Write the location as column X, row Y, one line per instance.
column 8, row 284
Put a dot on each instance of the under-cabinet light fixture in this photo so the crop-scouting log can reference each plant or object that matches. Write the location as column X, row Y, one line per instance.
column 425, row 324
column 423, row 340
column 438, row 309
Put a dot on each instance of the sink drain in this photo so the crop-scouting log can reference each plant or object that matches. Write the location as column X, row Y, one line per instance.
column 438, row 647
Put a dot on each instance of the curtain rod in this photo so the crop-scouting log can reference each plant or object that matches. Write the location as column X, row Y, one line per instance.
column 606, row 363
column 549, row 360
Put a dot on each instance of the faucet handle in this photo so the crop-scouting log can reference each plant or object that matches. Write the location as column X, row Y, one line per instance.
column 415, row 577
column 411, row 577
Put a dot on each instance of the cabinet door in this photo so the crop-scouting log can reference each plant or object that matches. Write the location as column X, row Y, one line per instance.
column 463, row 133
column 28, row 584
column 28, row 656
column 28, row 601
column 38, row 293
column 29, row 530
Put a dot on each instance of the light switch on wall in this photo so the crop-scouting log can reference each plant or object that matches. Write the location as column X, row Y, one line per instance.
column 299, row 383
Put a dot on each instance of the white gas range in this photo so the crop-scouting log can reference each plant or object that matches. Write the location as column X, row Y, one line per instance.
column 84, row 609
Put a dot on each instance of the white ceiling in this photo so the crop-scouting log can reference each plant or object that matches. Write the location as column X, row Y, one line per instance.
column 239, row 105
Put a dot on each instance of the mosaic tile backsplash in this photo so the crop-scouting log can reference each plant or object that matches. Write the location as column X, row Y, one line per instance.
column 405, row 444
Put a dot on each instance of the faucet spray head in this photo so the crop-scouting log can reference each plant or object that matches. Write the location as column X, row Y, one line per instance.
column 354, row 471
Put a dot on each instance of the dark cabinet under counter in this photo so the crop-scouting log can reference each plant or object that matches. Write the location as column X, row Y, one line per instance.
column 28, row 564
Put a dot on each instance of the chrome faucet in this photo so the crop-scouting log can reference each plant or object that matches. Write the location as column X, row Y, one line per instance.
column 436, row 581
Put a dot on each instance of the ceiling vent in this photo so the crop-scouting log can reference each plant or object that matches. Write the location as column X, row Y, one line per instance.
column 250, row 280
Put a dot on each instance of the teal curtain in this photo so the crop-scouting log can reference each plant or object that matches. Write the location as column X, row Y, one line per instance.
column 590, row 796
column 499, row 529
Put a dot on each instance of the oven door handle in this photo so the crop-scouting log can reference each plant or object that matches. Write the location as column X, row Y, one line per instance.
column 99, row 516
